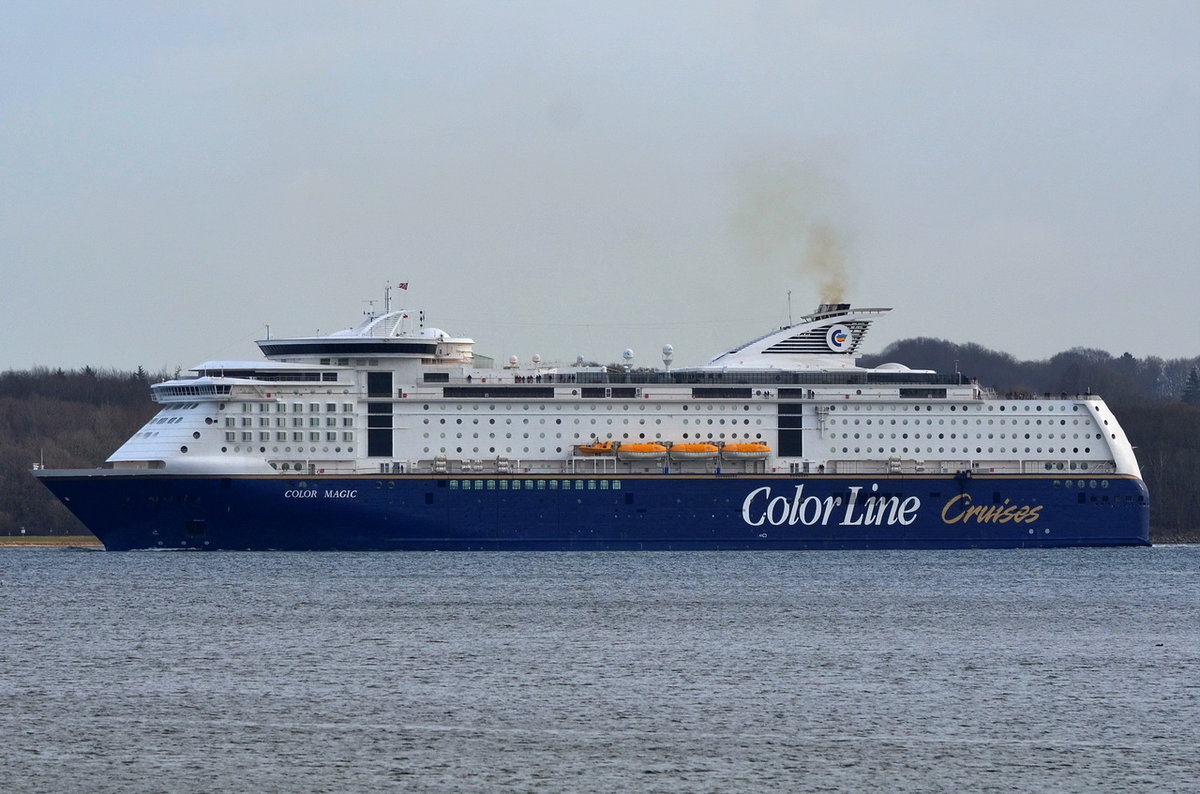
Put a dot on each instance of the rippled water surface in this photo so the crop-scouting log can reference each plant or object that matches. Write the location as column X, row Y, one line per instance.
column 1067, row 670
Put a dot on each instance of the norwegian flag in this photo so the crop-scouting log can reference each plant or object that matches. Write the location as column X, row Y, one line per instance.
column 403, row 285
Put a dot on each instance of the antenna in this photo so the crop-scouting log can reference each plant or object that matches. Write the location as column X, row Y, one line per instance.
column 789, row 308
column 387, row 299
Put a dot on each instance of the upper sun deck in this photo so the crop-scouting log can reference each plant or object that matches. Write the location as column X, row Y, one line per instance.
column 821, row 349
column 397, row 334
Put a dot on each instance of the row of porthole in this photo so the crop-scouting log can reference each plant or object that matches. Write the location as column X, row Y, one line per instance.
column 576, row 436
column 965, row 422
column 608, row 422
column 1027, row 436
column 286, row 450
column 593, row 421
column 891, row 406
column 657, row 406
column 530, row 485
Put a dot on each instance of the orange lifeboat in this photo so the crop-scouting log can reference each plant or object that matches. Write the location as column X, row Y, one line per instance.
column 641, row 451
column 596, row 448
column 756, row 451
column 694, row 451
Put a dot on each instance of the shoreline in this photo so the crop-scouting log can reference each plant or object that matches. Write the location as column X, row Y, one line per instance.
column 91, row 542
column 49, row 541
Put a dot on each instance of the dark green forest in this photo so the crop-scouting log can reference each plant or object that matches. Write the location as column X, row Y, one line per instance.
column 76, row 418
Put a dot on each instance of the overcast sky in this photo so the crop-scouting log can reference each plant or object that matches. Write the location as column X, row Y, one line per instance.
column 580, row 178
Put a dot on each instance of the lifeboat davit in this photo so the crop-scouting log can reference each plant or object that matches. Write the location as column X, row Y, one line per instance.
column 641, row 451
column 746, row 452
column 596, row 448
column 694, row 451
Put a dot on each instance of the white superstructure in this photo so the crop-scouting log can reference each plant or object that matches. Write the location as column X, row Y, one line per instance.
column 394, row 395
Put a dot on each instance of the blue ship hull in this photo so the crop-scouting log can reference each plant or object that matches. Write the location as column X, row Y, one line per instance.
column 138, row 510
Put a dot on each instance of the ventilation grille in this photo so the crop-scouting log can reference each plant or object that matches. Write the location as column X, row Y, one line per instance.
column 813, row 341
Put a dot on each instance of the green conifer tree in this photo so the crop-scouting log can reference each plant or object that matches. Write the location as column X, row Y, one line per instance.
column 1191, row 388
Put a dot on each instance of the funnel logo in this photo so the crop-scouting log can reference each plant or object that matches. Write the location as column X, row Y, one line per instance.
column 838, row 338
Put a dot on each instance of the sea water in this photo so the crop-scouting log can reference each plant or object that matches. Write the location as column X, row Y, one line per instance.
column 1062, row 670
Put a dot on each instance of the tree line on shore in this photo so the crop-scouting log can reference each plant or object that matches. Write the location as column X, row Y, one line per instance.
column 76, row 418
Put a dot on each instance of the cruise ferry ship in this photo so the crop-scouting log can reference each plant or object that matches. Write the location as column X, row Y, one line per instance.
column 398, row 435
